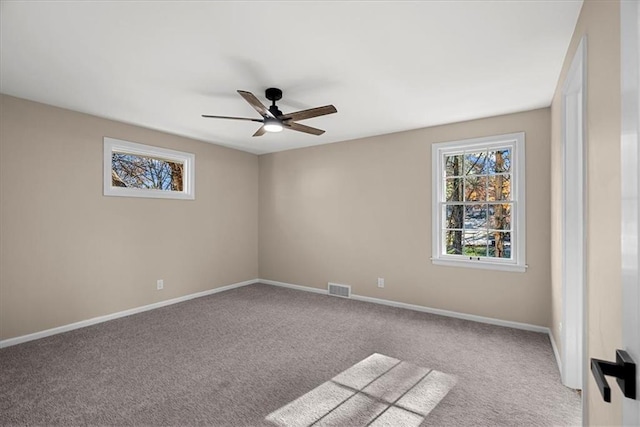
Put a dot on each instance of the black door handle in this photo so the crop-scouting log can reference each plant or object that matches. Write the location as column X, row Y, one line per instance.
column 624, row 370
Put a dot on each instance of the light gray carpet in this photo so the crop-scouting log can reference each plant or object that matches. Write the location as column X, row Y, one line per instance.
column 235, row 357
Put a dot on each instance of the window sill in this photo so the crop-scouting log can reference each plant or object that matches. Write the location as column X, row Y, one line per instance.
column 147, row 193
column 484, row 265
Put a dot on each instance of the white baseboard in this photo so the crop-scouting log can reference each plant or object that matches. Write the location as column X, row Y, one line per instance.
column 291, row 286
column 105, row 318
column 457, row 315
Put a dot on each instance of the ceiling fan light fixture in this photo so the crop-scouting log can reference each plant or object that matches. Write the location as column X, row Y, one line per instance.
column 272, row 125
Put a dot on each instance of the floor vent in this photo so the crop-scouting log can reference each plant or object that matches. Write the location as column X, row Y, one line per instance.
column 339, row 290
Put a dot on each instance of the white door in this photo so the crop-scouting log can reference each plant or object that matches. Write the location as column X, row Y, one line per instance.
column 630, row 56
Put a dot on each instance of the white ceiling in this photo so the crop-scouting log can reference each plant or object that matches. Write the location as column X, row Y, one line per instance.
column 386, row 66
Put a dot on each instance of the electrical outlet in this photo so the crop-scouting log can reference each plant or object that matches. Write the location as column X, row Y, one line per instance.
column 160, row 284
column 381, row 282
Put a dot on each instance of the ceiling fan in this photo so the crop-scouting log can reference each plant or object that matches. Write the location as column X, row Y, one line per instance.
column 273, row 120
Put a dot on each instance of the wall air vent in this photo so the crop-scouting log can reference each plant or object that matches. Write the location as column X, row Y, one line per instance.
column 339, row 290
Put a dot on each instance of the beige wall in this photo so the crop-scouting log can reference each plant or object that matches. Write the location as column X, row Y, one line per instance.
column 600, row 21
column 70, row 254
column 355, row 211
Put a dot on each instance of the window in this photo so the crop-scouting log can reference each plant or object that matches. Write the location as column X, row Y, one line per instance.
column 479, row 203
column 136, row 170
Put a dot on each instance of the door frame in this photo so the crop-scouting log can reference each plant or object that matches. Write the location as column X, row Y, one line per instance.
column 574, row 107
column 630, row 189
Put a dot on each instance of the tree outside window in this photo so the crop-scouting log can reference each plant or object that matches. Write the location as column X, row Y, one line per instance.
column 132, row 171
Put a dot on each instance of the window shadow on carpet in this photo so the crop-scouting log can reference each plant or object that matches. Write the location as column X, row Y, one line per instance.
column 377, row 391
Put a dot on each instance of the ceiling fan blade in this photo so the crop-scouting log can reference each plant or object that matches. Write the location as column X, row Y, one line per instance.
column 307, row 114
column 255, row 103
column 260, row 131
column 232, row 118
column 302, row 128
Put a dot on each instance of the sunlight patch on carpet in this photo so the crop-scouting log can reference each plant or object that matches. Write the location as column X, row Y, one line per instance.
column 377, row 391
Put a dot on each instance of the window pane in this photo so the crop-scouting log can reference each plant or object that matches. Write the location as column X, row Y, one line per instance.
column 475, row 163
column 499, row 161
column 500, row 244
column 454, row 190
column 475, row 188
column 499, row 187
column 475, row 243
column 475, row 217
column 454, row 215
column 500, row 217
column 453, row 165
column 454, row 242
column 133, row 171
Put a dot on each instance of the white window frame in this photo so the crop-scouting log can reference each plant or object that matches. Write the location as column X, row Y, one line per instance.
column 112, row 145
column 515, row 142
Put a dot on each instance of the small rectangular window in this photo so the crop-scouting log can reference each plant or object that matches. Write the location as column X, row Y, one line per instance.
column 137, row 170
column 478, row 202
